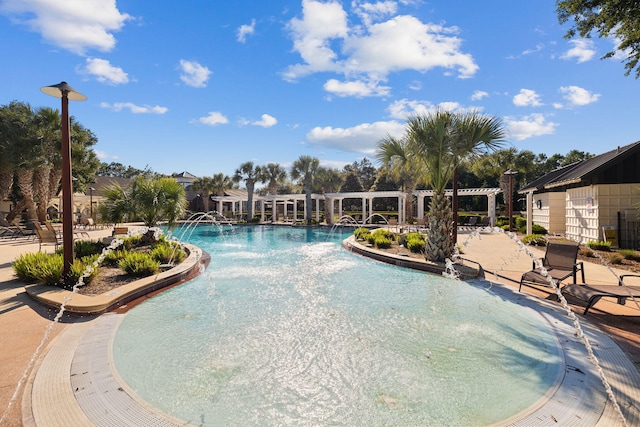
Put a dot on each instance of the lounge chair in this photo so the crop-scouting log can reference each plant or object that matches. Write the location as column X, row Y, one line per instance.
column 592, row 293
column 560, row 263
column 46, row 236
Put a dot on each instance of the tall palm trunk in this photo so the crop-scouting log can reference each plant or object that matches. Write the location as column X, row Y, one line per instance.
column 41, row 191
column 25, row 182
column 439, row 245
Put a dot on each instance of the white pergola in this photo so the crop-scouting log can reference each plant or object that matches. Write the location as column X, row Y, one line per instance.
column 366, row 197
column 490, row 193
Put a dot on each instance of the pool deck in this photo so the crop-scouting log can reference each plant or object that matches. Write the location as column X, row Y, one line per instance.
column 44, row 373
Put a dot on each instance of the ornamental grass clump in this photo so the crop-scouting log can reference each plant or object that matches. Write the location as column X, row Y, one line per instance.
column 630, row 254
column 47, row 269
column 166, row 252
column 139, row 264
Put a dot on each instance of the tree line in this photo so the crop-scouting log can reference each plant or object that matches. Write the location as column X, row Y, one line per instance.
column 30, row 169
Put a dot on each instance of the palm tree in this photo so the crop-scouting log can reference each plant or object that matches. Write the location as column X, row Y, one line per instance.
column 394, row 154
column 250, row 174
column 475, row 135
column 329, row 181
column 150, row 200
column 439, row 140
column 273, row 174
column 205, row 186
column 304, row 171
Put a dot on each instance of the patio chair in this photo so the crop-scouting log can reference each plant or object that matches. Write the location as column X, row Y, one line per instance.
column 591, row 294
column 46, row 236
column 560, row 263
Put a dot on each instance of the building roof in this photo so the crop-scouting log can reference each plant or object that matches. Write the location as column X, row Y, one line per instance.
column 578, row 172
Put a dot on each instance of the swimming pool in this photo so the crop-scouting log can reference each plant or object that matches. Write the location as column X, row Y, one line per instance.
column 287, row 328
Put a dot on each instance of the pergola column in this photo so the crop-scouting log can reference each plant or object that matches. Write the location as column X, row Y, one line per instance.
column 491, row 208
column 420, row 201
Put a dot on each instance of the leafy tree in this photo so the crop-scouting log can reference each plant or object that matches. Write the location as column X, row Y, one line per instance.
column 304, row 170
column 608, row 18
column 250, row 174
column 118, row 170
column 150, row 200
column 364, row 171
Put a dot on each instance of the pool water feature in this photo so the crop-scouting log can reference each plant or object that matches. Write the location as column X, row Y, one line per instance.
column 287, row 328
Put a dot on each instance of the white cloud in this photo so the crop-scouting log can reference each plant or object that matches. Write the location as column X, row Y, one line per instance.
column 214, row 118
column 359, row 89
column 135, row 109
column 479, row 95
column 194, row 74
column 74, row 25
column 104, row 156
column 582, row 49
column 529, row 126
column 266, row 121
column 362, row 138
column 326, row 43
column 370, row 12
column 246, row 30
column 104, row 72
column 527, row 98
column 405, row 108
column 576, row 95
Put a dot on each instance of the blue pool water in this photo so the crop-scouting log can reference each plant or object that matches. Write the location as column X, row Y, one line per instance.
column 287, row 328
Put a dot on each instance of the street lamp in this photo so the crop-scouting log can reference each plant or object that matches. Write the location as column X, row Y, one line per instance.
column 91, row 190
column 510, row 174
column 65, row 92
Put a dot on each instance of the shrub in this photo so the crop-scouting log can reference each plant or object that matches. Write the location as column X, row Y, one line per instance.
column 114, row 257
column 131, row 242
column 599, row 245
column 382, row 242
column 84, row 248
column 534, row 240
column 630, row 254
column 47, row 269
column 29, row 267
column 521, row 222
column 361, row 233
column 538, row 229
column 615, row 258
column 415, row 242
column 139, row 264
column 166, row 252
column 383, row 232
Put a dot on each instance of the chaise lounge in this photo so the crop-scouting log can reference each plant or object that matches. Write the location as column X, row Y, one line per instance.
column 592, row 293
column 559, row 262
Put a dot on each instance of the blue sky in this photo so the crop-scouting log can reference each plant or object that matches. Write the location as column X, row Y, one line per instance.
column 204, row 86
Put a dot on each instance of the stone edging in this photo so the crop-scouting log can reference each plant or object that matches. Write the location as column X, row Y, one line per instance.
column 88, row 305
column 466, row 272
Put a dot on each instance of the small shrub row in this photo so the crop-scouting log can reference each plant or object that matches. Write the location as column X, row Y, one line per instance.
column 599, row 245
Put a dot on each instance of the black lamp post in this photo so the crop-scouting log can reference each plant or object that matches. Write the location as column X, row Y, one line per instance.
column 65, row 92
column 510, row 174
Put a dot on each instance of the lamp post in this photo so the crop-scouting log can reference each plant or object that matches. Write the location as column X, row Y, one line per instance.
column 65, row 92
column 91, row 190
column 510, row 174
